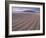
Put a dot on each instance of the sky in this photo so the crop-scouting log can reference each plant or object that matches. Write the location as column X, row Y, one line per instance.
column 25, row 9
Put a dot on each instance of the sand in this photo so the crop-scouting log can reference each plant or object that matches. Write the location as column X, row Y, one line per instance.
column 23, row 22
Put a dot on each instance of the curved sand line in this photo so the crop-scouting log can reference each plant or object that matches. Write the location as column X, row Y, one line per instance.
column 23, row 22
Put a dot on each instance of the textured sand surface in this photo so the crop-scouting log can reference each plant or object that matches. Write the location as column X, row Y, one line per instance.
column 22, row 22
